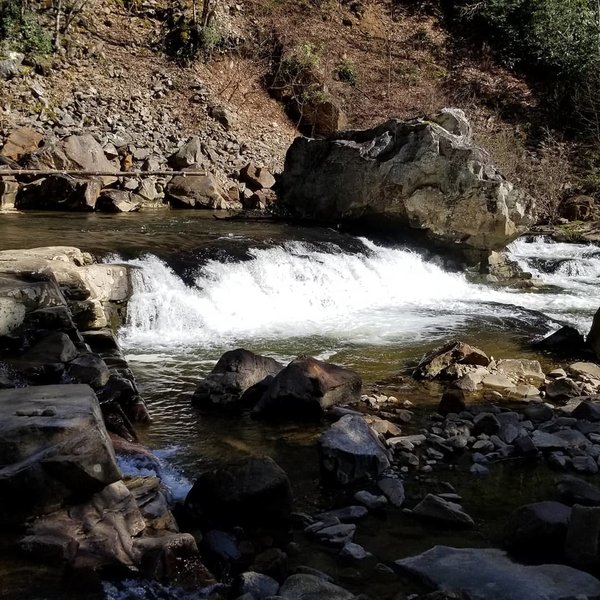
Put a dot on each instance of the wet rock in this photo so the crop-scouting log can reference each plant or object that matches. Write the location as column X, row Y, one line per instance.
column 488, row 574
column 538, row 531
column 336, row 535
column 567, row 341
column 574, row 490
column 440, row 510
column 593, row 338
column 435, row 364
column 222, row 545
column 354, row 552
column 371, row 501
column 485, row 423
column 582, row 547
column 351, row 451
column 547, row 441
column 349, row 514
column 587, row 410
column 307, row 387
column 393, row 490
column 562, row 389
column 53, row 447
column 257, row 585
column 584, row 464
column 538, row 413
column 453, row 401
column 253, row 490
column 235, row 372
column 310, row 587
column 89, row 368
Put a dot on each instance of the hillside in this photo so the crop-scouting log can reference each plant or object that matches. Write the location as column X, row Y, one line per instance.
column 374, row 59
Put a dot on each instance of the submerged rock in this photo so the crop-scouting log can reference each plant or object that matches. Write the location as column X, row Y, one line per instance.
column 488, row 574
column 250, row 491
column 423, row 175
column 307, row 387
column 351, row 451
column 235, row 372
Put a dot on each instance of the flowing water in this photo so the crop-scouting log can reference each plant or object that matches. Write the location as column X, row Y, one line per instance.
column 204, row 286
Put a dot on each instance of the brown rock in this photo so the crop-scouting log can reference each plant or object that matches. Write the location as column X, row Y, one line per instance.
column 257, row 177
column 198, row 191
column 21, row 141
column 113, row 201
column 436, row 363
column 579, row 208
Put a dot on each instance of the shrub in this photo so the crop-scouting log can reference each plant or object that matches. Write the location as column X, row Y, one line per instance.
column 21, row 30
column 346, row 71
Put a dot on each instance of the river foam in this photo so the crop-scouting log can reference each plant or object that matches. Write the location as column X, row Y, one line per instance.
column 378, row 295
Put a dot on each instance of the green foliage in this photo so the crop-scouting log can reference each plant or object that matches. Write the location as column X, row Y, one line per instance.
column 346, row 71
column 21, row 30
column 188, row 41
column 304, row 58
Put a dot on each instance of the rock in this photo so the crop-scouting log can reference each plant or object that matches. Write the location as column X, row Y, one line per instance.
column 538, row 531
column 485, row 423
column 59, row 192
column 488, row 574
column 56, row 347
column 437, row 509
column 257, row 585
column 436, row 363
column 222, row 544
column 593, row 337
column 223, row 116
column 354, row 552
column 256, row 177
column 21, row 141
column 453, row 401
column 547, row 441
column 349, row 514
column 523, row 371
column 579, row 208
column 336, row 535
column 538, row 413
column 587, row 410
column 584, row 370
column 253, row 490
column 53, row 448
column 371, row 501
column 115, row 201
column 393, row 490
column 201, row 190
column 425, row 175
column 351, row 451
column 74, row 153
column 310, row 587
column 89, row 368
column 235, row 372
column 189, row 155
column 9, row 188
column 582, row 546
column 561, row 389
column 567, row 341
column 574, row 490
column 9, row 66
column 307, row 387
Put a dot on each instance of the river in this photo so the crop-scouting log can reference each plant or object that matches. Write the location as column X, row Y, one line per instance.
column 204, row 286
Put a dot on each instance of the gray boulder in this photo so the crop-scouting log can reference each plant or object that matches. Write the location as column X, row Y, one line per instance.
column 257, row 585
column 9, row 66
column 235, row 372
column 438, row 509
column 116, row 201
column 425, row 175
column 593, row 338
column 351, row 451
column 488, row 574
column 54, row 447
column 307, row 387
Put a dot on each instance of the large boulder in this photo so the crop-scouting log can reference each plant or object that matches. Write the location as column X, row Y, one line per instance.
column 252, row 491
column 350, row 450
column 21, row 141
column 74, row 153
column 198, row 190
column 437, row 364
column 307, row 387
column 488, row 574
column 235, row 372
column 59, row 192
column 593, row 338
column 425, row 175
column 54, row 448
column 538, row 531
